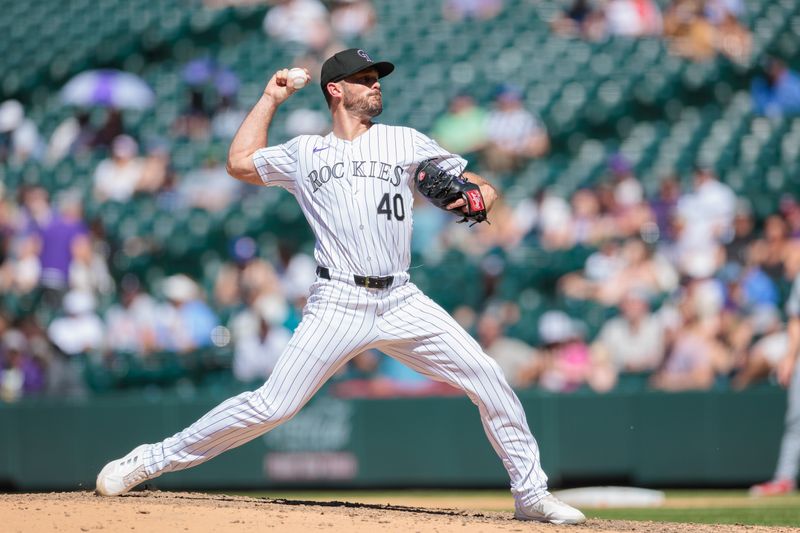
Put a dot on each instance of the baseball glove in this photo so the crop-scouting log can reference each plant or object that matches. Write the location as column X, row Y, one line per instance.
column 442, row 189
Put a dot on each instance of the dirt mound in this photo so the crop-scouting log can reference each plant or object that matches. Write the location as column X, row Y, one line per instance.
column 154, row 511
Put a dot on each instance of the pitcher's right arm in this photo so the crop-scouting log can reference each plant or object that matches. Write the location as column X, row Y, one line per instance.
column 253, row 134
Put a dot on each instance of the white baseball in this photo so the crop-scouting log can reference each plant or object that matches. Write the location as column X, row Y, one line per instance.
column 297, row 78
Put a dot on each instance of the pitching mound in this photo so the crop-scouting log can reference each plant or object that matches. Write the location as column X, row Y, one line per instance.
column 153, row 511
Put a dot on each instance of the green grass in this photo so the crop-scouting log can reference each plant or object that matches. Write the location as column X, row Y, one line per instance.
column 695, row 506
column 713, row 507
column 782, row 516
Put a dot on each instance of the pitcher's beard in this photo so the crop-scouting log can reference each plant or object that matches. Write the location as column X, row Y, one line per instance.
column 365, row 106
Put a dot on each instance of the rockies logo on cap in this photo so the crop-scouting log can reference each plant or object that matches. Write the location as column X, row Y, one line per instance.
column 348, row 62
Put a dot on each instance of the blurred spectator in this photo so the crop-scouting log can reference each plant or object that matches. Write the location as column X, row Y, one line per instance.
column 622, row 200
column 227, row 292
column 131, row 323
column 689, row 365
column 457, row 10
column 393, row 378
column 777, row 92
column 245, row 280
column 716, row 11
column 56, row 232
column 9, row 218
column 644, row 270
column 20, row 372
column 756, row 287
column 600, row 267
column 304, row 23
column 663, row 207
column 546, row 217
column 634, row 341
column 701, row 29
column 517, row 360
column 766, row 353
column 21, row 272
column 632, row 18
column 157, row 170
column 297, row 272
column 227, row 118
column 64, row 378
column 352, row 18
column 606, row 263
column 260, row 338
column 610, row 274
column 112, row 128
column 72, row 136
column 628, row 191
column 88, row 270
column 732, row 38
column 696, row 356
column 565, row 361
column 462, row 129
column 209, row 187
column 370, row 374
column 119, row 177
column 80, row 331
column 588, row 225
column 205, row 80
column 502, row 232
column 693, row 36
column 580, row 19
column 693, row 253
column 514, row 133
column 19, row 136
column 777, row 253
column 790, row 209
column 705, row 217
column 737, row 246
column 186, row 321
column 307, row 122
column 195, row 120
column 429, row 224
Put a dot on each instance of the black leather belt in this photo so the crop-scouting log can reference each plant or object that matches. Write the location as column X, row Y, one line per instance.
column 370, row 282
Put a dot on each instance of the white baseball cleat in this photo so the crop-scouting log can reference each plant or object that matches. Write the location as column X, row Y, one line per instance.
column 549, row 509
column 121, row 475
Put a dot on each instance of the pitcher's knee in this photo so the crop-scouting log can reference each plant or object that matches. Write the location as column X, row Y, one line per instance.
column 282, row 414
column 271, row 410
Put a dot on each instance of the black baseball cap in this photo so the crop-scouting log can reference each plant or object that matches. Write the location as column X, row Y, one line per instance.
column 347, row 62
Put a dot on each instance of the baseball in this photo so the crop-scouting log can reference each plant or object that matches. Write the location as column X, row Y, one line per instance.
column 297, row 78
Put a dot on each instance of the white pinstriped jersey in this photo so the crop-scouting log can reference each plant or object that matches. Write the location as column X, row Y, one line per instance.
column 356, row 195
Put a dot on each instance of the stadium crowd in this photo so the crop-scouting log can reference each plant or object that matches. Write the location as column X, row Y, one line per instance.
column 689, row 282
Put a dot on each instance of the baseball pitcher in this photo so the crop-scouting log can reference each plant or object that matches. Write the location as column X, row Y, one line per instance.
column 355, row 188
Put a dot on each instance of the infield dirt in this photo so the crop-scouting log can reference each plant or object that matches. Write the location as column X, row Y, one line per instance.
column 154, row 511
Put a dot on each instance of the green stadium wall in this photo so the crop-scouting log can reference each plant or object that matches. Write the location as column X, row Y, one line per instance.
column 643, row 438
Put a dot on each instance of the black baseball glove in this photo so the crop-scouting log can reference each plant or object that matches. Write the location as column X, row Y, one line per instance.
column 442, row 189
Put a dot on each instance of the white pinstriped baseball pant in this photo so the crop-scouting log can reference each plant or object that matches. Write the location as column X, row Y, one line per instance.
column 340, row 321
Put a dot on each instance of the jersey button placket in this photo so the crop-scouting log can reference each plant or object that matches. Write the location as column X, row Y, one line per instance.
column 355, row 188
